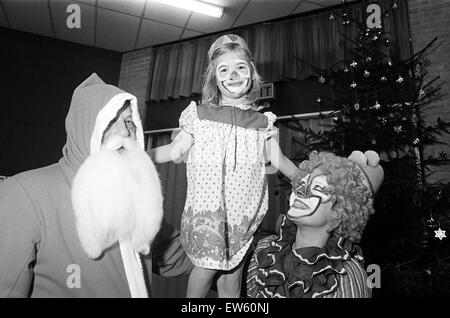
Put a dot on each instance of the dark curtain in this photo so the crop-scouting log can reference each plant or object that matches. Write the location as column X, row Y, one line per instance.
column 173, row 181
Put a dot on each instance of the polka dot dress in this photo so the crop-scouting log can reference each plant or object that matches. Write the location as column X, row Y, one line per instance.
column 227, row 189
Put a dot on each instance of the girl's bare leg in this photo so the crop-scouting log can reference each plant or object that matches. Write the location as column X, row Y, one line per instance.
column 229, row 283
column 199, row 282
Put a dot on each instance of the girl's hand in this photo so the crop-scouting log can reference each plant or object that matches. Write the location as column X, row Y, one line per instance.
column 278, row 160
column 173, row 151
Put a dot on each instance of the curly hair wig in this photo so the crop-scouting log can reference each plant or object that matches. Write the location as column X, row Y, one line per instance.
column 352, row 199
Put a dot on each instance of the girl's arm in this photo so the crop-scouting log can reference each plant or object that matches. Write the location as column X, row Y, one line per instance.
column 173, row 151
column 278, row 160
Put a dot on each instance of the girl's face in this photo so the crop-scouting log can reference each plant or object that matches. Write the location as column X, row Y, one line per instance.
column 232, row 75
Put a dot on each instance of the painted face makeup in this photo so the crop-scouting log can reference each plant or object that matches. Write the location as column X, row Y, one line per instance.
column 233, row 75
column 306, row 199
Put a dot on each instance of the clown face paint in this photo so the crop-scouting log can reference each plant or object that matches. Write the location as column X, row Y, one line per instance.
column 232, row 75
column 309, row 196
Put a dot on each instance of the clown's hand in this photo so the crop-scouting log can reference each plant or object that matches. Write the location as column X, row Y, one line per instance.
column 369, row 158
column 368, row 162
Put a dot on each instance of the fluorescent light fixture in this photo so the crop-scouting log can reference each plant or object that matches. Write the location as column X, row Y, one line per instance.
column 196, row 6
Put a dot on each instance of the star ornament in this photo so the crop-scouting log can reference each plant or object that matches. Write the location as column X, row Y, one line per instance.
column 321, row 79
column 440, row 234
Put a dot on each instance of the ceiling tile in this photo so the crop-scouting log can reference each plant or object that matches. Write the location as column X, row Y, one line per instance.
column 116, row 31
column 3, row 21
column 306, row 6
column 91, row 2
column 28, row 16
column 133, row 7
column 168, row 14
column 204, row 23
column 325, row 3
column 190, row 34
column 154, row 33
column 263, row 10
column 84, row 35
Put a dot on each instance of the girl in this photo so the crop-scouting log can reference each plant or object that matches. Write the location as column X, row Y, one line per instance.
column 229, row 142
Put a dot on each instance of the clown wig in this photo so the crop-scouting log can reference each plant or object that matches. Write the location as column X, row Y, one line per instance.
column 352, row 199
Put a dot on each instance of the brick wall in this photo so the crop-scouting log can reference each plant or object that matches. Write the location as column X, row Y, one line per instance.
column 135, row 76
column 429, row 19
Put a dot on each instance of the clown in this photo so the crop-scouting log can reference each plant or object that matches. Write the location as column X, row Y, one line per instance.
column 315, row 255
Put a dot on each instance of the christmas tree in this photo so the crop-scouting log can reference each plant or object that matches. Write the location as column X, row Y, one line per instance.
column 377, row 103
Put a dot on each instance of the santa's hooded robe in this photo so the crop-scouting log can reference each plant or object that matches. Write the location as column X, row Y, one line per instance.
column 40, row 251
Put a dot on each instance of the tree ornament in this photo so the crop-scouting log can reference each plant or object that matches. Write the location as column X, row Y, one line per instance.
column 356, row 106
column 395, row 5
column 373, row 141
column 399, row 79
column 375, row 38
column 418, row 68
column 353, row 85
column 377, row 105
column 321, row 79
column 353, row 64
column 398, row 129
column 416, row 141
column 368, row 59
column 383, row 78
column 331, row 16
column 345, row 69
column 429, row 226
column 389, row 63
column 440, row 234
column 319, row 100
column 421, row 92
column 431, row 223
column 366, row 73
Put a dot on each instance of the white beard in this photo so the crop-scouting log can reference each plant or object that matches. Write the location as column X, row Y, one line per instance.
column 117, row 198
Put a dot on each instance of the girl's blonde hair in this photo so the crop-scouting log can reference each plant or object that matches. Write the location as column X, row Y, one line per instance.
column 210, row 91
